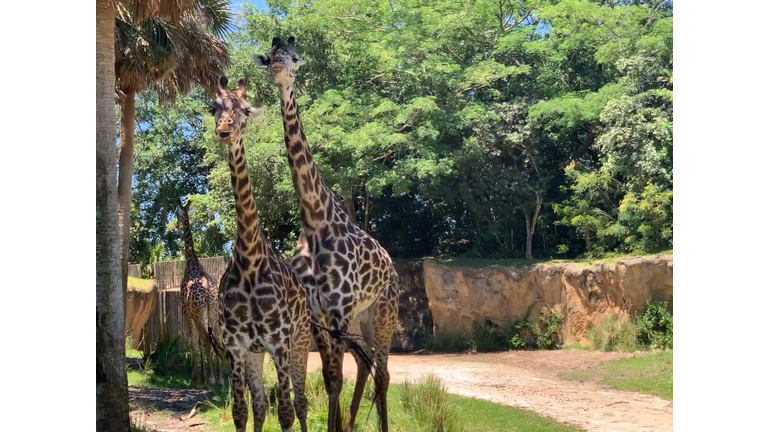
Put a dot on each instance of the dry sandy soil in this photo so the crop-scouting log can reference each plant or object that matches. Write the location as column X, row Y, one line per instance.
column 530, row 380
column 527, row 380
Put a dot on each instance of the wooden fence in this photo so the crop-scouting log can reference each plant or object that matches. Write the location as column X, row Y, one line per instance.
column 134, row 270
column 167, row 318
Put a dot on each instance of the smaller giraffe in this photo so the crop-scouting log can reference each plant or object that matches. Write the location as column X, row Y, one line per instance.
column 198, row 303
column 263, row 307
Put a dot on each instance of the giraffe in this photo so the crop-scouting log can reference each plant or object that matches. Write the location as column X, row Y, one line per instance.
column 263, row 307
column 345, row 271
column 198, row 304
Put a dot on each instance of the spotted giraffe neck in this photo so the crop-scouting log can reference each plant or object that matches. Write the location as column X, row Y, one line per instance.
column 249, row 243
column 189, row 245
column 315, row 197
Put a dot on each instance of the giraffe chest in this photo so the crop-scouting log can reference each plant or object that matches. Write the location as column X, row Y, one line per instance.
column 344, row 272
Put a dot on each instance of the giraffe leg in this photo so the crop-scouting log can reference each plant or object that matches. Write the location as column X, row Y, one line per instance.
column 255, row 373
column 194, row 347
column 298, row 380
column 239, row 406
column 284, row 407
column 213, row 321
column 384, row 320
column 206, row 345
column 335, row 371
column 325, row 345
column 362, row 371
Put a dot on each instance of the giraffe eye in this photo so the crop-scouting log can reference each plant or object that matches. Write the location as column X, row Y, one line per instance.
column 295, row 59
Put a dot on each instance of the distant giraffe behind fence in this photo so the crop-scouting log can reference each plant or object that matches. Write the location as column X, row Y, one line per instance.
column 167, row 318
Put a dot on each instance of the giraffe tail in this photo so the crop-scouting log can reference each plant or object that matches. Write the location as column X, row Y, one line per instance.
column 218, row 347
column 350, row 340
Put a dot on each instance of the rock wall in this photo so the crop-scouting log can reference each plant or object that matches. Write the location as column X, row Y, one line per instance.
column 583, row 295
column 142, row 300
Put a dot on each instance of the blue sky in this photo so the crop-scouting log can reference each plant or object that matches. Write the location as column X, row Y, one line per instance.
column 237, row 5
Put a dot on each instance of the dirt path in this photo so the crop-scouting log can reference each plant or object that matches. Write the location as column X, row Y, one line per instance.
column 166, row 410
column 530, row 380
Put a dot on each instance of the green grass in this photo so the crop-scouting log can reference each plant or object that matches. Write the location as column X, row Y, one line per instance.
column 131, row 352
column 576, row 347
column 143, row 285
column 649, row 373
column 455, row 413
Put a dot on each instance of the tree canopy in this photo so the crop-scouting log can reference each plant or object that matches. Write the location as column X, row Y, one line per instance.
column 495, row 128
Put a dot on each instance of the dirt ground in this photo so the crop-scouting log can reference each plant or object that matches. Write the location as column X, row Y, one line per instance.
column 530, row 380
column 522, row 379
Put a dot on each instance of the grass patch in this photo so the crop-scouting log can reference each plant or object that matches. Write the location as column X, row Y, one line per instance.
column 448, row 342
column 650, row 374
column 616, row 332
column 419, row 407
column 142, row 285
column 576, row 347
column 130, row 351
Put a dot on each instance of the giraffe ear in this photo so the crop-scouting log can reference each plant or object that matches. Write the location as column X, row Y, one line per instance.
column 260, row 60
column 223, row 81
column 276, row 41
column 240, row 92
column 291, row 40
column 254, row 113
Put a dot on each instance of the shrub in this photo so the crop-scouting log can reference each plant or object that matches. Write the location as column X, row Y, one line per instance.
column 427, row 402
column 616, row 332
column 486, row 336
column 448, row 341
column 548, row 330
column 169, row 356
column 654, row 327
column 521, row 335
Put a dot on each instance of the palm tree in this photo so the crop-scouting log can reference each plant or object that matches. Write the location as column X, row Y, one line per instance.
column 170, row 58
column 111, row 380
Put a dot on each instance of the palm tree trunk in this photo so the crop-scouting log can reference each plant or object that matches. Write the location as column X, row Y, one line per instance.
column 111, row 379
column 124, row 183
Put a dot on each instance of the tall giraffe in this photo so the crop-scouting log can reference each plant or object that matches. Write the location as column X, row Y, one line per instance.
column 345, row 271
column 198, row 304
column 263, row 306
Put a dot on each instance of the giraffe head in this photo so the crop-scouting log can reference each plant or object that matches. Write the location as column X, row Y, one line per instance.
column 231, row 111
column 282, row 60
column 182, row 216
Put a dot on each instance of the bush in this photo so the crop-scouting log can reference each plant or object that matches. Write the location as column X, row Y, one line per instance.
column 448, row 341
column 617, row 332
column 427, row 402
column 169, row 356
column 654, row 327
column 548, row 330
column 487, row 336
column 545, row 334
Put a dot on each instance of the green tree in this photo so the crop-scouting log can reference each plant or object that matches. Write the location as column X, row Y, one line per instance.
column 158, row 52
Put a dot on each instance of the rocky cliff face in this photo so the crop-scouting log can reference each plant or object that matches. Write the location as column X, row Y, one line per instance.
column 142, row 300
column 583, row 295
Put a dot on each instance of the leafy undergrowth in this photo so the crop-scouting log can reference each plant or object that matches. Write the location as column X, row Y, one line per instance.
column 650, row 374
column 424, row 406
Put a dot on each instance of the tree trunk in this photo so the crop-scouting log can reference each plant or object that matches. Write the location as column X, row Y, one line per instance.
column 349, row 205
column 530, row 227
column 124, row 183
column 367, row 212
column 111, row 379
